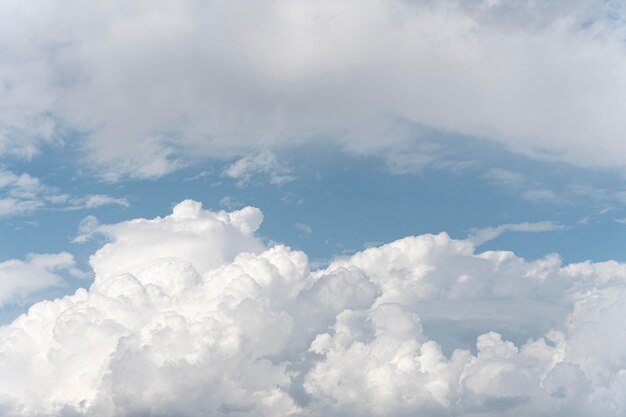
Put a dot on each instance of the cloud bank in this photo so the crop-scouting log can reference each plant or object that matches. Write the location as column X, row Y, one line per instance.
column 190, row 315
column 151, row 87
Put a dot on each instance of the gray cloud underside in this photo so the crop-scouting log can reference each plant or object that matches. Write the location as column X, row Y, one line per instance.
column 204, row 320
column 151, row 87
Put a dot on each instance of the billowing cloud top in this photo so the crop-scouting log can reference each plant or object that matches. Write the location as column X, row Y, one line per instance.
column 158, row 85
column 201, row 237
column 190, row 316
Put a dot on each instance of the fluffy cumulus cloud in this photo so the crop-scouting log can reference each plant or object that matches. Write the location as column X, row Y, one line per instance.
column 204, row 238
column 189, row 315
column 155, row 85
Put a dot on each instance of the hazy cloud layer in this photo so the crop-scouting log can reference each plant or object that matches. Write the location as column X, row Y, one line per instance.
column 190, row 316
column 153, row 86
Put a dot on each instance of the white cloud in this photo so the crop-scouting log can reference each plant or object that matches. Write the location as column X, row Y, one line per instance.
column 536, row 192
column 161, row 85
column 191, row 233
column 22, row 194
column 87, row 228
column 189, row 316
column 98, row 200
column 263, row 166
column 484, row 235
column 92, row 201
column 21, row 279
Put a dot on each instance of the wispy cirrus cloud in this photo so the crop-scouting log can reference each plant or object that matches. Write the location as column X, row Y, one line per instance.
column 505, row 178
column 99, row 200
column 263, row 167
column 23, row 194
column 87, row 228
column 484, row 235
column 303, row 228
column 92, row 201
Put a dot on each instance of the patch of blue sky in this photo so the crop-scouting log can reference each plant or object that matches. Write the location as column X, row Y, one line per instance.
column 339, row 203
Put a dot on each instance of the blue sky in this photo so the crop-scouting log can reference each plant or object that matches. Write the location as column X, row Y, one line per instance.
column 334, row 204
column 296, row 208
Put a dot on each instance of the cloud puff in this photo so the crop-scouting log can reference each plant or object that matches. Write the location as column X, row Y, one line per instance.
column 87, row 228
column 204, row 238
column 160, row 85
column 21, row 279
column 189, row 316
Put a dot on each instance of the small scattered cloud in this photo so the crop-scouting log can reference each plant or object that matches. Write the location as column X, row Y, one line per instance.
column 94, row 201
column 304, row 229
column 292, row 199
column 373, row 244
column 516, row 182
column 504, row 177
column 98, row 200
column 607, row 196
column 87, row 228
column 409, row 162
column 262, row 167
column 19, row 279
column 484, row 235
column 23, row 194
column 534, row 191
column 202, row 174
column 542, row 195
column 230, row 202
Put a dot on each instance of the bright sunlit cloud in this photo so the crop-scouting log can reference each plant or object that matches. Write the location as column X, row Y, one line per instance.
column 206, row 321
column 330, row 208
